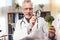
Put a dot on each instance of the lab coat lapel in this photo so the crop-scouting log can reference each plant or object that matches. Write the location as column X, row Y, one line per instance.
column 26, row 23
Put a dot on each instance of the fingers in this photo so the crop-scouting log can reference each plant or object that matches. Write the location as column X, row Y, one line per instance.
column 33, row 19
column 52, row 30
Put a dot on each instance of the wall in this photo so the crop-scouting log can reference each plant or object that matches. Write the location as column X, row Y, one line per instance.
column 56, row 23
column 3, row 14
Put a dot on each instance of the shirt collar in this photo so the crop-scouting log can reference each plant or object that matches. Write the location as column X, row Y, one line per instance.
column 24, row 19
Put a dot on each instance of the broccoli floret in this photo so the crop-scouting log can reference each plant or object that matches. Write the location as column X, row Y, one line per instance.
column 49, row 19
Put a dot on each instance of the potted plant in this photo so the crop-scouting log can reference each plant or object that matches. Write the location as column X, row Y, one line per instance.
column 17, row 5
column 41, row 6
column 49, row 19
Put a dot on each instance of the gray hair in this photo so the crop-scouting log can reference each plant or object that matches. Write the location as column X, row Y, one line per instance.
column 27, row 0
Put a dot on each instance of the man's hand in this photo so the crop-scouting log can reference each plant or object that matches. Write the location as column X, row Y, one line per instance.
column 32, row 22
column 51, row 31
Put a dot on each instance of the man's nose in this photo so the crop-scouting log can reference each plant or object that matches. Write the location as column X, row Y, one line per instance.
column 28, row 10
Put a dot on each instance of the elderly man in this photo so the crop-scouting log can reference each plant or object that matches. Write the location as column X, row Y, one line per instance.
column 30, row 26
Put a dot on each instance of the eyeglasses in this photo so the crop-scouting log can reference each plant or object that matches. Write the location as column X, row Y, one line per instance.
column 28, row 8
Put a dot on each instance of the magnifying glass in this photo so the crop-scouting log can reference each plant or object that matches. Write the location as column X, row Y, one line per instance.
column 37, row 13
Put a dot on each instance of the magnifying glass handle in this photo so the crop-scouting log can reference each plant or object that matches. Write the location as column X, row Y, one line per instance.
column 0, row 30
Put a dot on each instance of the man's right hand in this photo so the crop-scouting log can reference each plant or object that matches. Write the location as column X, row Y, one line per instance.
column 32, row 22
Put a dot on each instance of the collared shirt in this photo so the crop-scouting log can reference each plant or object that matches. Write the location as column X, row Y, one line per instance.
column 21, row 29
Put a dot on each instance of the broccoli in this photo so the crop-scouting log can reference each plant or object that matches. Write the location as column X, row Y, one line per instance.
column 49, row 19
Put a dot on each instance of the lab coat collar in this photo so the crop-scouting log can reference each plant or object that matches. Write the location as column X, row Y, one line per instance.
column 24, row 19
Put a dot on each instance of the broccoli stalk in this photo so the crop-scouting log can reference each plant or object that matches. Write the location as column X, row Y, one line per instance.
column 49, row 19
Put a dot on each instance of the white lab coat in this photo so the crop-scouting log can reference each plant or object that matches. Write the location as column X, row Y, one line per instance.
column 22, row 26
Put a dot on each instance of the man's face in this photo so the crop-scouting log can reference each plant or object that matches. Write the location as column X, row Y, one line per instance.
column 28, row 10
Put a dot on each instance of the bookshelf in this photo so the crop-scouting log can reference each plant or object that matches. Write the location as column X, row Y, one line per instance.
column 12, row 19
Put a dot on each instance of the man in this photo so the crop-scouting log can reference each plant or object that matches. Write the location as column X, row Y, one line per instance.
column 30, row 25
